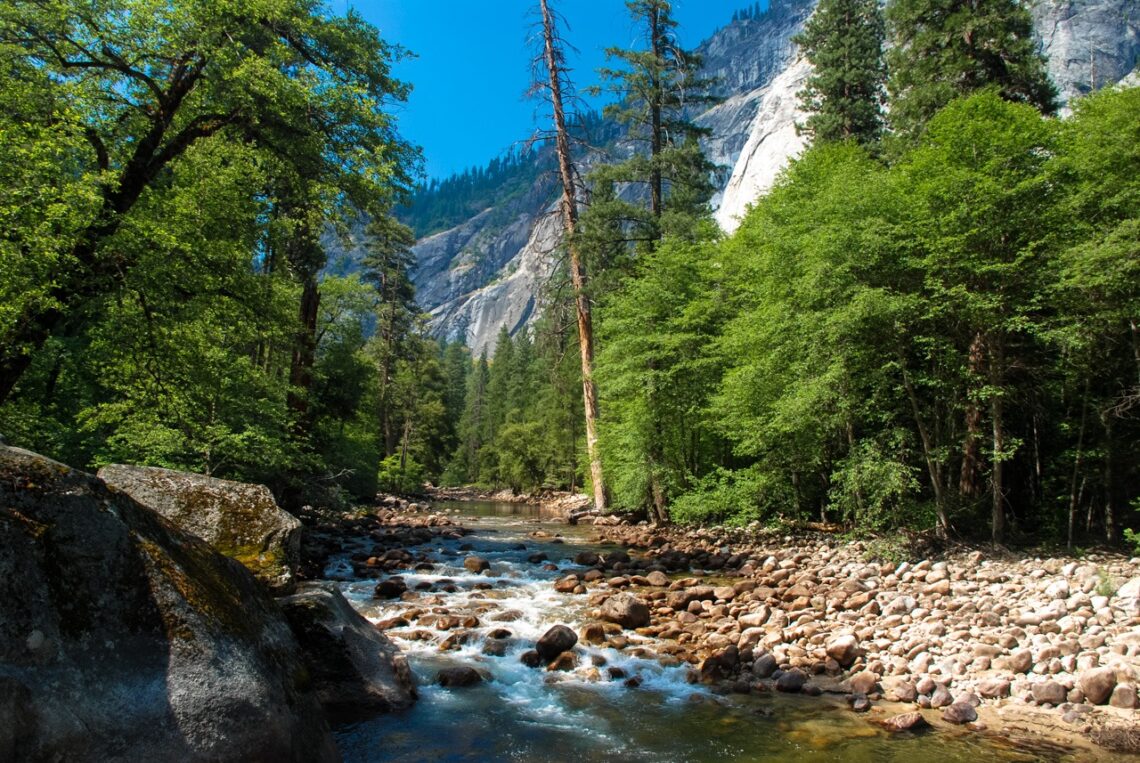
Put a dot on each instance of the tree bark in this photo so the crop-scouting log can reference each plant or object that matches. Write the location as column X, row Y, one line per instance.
column 970, row 479
column 304, row 355
column 1073, row 495
column 655, row 108
column 553, row 56
column 932, row 466
column 997, row 417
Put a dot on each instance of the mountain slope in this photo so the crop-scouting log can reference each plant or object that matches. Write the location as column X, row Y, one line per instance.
column 488, row 271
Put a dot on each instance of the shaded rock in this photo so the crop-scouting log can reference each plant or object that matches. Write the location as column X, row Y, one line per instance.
column 240, row 520
column 764, row 666
column 905, row 722
column 1097, row 685
column 960, row 712
column 530, row 658
column 626, row 610
column 390, row 588
column 587, row 558
column 458, row 677
column 354, row 667
column 792, row 681
column 860, row 703
column 151, row 645
column 555, row 641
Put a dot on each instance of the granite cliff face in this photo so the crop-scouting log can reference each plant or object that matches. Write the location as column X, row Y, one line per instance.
column 487, row 272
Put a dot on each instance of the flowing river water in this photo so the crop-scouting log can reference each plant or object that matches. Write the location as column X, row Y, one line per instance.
column 528, row 714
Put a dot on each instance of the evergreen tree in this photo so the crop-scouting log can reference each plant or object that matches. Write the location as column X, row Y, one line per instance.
column 843, row 40
column 656, row 87
column 943, row 49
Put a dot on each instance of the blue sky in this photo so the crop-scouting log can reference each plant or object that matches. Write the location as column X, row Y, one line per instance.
column 472, row 67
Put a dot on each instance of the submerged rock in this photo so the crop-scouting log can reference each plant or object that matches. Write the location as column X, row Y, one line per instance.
column 458, row 677
column 240, row 520
column 354, row 667
column 123, row 637
column 905, row 722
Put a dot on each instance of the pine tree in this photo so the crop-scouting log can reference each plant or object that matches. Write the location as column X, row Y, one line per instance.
column 656, row 87
column 843, row 40
column 943, row 49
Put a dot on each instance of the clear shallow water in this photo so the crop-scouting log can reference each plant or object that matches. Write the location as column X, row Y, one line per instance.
column 524, row 714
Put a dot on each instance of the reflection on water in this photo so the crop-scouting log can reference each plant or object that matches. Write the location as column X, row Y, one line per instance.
column 524, row 714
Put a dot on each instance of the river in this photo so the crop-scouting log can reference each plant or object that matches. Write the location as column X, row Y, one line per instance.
column 526, row 714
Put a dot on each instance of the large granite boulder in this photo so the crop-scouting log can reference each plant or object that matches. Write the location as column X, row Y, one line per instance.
column 238, row 519
column 124, row 638
column 355, row 668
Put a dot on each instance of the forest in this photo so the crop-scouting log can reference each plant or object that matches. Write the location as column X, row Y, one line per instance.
column 931, row 322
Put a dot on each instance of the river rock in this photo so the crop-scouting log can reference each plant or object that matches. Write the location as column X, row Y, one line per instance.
column 960, row 712
column 458, row 677
column 905, row 722
column 566, row 584
column 680, row 600
column 993, row 688
column 626, row 610
column 476, row 564
column 123, row 637
column 941, row 697
column 240, row 520
column 899, row 689
column 791, row 681
column 764, row 666
column 843, row 650
column 1123, row 696
column 354, row 667
column 1097, row 685
column 390, row 588
column 555, row 641
column 864, row 682
column 1049, row 692
column 657, row 578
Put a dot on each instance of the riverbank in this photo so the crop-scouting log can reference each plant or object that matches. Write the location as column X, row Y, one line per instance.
column 1041, row 646
column 1011, row 648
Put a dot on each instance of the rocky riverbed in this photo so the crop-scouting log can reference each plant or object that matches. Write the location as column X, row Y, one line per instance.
column 1046, row 645
column 997, row 647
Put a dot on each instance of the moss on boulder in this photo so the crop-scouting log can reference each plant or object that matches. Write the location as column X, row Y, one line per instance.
column 238, row 519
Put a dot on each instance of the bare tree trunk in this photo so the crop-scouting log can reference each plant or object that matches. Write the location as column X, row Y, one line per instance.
column 932, row 466
column 1110, row 531
column 1073, row 495
column 304, row 354
column 655, row 107
column 552, row 54
column 970, row 479
column 997, row 417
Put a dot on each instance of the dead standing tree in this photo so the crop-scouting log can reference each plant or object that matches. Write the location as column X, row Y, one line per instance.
column 551, row 80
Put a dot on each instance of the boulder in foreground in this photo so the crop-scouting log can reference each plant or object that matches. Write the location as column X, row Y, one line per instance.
column 355, row 668
column 125, row 638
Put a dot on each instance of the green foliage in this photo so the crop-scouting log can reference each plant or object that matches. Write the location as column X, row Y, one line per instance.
column 406, row 479
column 1133, row 539
column 843, row 40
